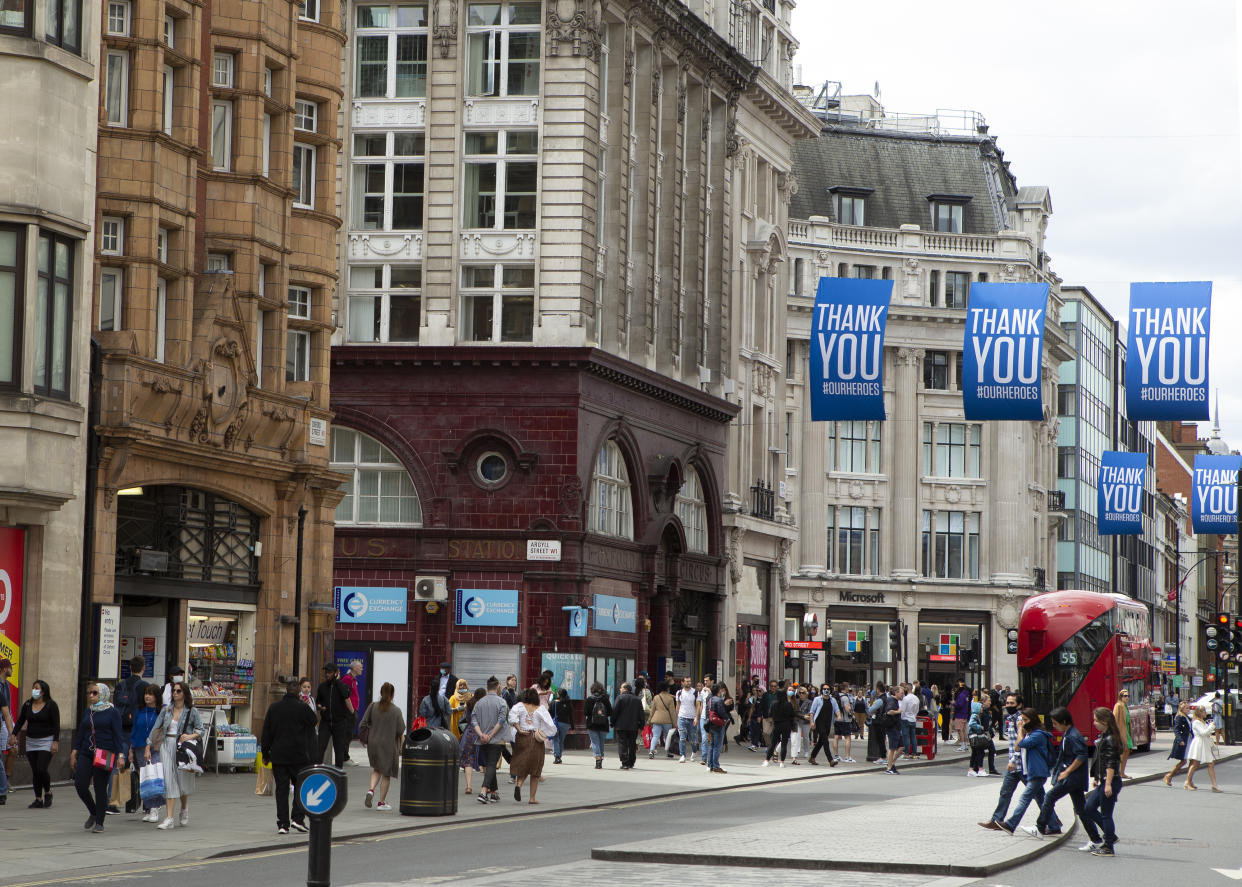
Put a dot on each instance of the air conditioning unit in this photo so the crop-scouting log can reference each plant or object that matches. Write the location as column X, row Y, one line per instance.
column 430, row 588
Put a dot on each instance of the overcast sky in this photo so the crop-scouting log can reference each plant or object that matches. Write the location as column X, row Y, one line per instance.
column 1129, row 113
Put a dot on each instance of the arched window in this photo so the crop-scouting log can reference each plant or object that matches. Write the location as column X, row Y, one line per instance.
column 692, row 511
column 610, row 495
column 379, row 489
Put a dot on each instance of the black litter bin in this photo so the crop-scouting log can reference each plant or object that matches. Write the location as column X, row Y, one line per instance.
column 429, row 766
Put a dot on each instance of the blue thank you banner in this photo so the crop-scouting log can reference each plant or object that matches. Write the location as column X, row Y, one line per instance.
column 1002, row 351
column 1122, row 476
column 1214, row 508
column 1167, row 351
column 485, row 606
column 384, row 606
column 847, row 349
column 615, row 613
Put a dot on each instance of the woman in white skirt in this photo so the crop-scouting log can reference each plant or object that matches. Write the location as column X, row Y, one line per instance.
column 1202, row 749
column 178, row 721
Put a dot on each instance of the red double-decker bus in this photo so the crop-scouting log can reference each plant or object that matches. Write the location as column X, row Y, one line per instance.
column 1080, row 649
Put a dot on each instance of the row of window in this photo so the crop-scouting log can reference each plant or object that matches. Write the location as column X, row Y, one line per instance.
column 851, row 209
column 950, row 542
column 50, row 300
column 62, row 28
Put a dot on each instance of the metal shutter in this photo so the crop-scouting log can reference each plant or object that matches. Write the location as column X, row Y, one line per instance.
column 477, row 662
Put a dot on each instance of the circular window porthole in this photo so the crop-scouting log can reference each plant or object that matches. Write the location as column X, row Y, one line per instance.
column 492, row 469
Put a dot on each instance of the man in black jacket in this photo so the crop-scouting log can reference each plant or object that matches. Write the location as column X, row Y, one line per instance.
column 336, row 715
column 627, row 720
column 287, row 732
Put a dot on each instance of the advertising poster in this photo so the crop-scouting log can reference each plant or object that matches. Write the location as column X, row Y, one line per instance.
column 1003, row 349
column 568, row 672
column 1214, row 498
column 377, row 606
column 847, row 349
column 1121, row 493
column 485, row 606
column 615, row 613
column 12, row 561
column 1167, row 351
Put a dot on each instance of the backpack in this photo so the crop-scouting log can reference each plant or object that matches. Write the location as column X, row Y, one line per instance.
column 860, row 707
column 889, row 720
column 128, row 692
column 599, row 715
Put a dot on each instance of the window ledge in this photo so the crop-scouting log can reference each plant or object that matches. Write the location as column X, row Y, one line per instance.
column 32, row 48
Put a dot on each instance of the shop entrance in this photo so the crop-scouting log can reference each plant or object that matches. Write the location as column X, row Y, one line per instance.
column 611, row 669
column 691, row 617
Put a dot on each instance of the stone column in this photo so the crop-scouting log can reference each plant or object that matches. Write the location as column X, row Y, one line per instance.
column 812, row 476
column 904, row 446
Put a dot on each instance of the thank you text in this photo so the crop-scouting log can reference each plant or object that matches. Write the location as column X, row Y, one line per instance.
column 847, row 349
column 1167, row 351
column 1214, row 508
column 1122, row 477
column 1002, row 351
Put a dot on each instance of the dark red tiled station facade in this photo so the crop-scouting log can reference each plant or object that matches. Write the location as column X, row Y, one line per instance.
column 506, row 447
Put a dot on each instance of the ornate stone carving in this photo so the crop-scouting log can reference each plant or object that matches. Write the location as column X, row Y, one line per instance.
column 445, row 31
column 571, row 499
column 1007, row 616
column 910, row 357
column 784, row 546
column 733, row 142
column 907, row 599
column 683, row 88
column 734, row 552
column 787, row 186
column 231, row 433
column 823, row 257
column 198, row 427
column 856, row 489
column 953, row 494
column 575, row 22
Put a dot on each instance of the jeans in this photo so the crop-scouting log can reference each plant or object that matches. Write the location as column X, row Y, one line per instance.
column 87, row 777
column 1098, row 813
column 1048, row 818
column 558, row 741
column 704, row 739
column 491, row 757
column 284, row 775
column 907, row 733
column 1034, row 791
column 4, row 743
column 627, row 746
column 686, row 728
column 715, row 738
column 597, row 741
column 756, row 733
column 659, row 736
column 1008, row 784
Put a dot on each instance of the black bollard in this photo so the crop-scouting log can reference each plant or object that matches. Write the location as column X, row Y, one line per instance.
column 323, row 791
column 319, row 858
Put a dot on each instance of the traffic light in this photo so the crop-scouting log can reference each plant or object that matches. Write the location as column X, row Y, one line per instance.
column 1224, row 634
column 1012, row 637
column 894, row 641
column 1237, row 634
column 864, row 653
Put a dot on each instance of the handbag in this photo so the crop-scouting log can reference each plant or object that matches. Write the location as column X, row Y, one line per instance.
column 151, row 781
column 980, row 740
column 714, row 719
column 104, row 760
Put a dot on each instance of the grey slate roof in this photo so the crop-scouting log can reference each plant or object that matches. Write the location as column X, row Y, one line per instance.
column 903, row 169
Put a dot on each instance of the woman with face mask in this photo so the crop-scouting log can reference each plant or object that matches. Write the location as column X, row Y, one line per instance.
column 98, row 731
column 40, row 718
column 782, row 713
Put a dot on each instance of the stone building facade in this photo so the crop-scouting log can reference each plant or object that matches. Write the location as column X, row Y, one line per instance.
column 47, row 199
column 921, row 534
column 212, row 503
column 557, row 228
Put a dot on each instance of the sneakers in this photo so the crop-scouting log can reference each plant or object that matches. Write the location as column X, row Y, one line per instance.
column 848, row 761
column 1033, row 832
column 383, row 806
column 692, row 754
column 781, row 764
column 366, row 801
column 153, row 816
column 113, row 810
column 493, row 798
column 971, row 773
column 185, row 818
column 683, row 759
column 890, row 771
column 599, row 763
column 90, row 822
column 36, row 804
column 298, row 826
column 99, row 828
column 47, row 800
column 767, row 762
column 1091, row 846
column 282, row 831
column 166, row 824
column 1103, row 850
column 482, row 799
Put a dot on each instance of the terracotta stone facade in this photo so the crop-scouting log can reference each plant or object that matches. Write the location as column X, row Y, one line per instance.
column 213, row 313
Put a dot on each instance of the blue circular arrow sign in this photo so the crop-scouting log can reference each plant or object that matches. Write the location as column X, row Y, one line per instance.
column 318, row 793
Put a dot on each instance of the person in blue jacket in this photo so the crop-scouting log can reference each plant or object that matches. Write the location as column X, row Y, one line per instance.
column 1069, row 776
column 1035, row 745
column 100, row 728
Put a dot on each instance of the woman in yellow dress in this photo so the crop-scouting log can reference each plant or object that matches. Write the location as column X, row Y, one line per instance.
column 457, row 707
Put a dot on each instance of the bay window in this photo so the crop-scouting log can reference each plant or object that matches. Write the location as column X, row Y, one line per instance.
column 390, row 51
column 221, row 135
column 304, row 175
column 388, row 181
column 503, row 53
column 385, row 303
column 498, row 303
column 110, row 291
column 502, row 173
column 12, row 286
column 53, row 315
column 116, row 88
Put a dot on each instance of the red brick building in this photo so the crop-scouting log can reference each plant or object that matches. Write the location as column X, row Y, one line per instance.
column 460, row 456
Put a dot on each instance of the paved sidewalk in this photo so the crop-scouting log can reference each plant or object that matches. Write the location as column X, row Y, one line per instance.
column 864, row 837
column 227, row 818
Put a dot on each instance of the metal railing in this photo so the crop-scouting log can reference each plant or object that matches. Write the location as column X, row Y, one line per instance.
column 1040, row 579
column 1056, row 500
column 762, row 501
